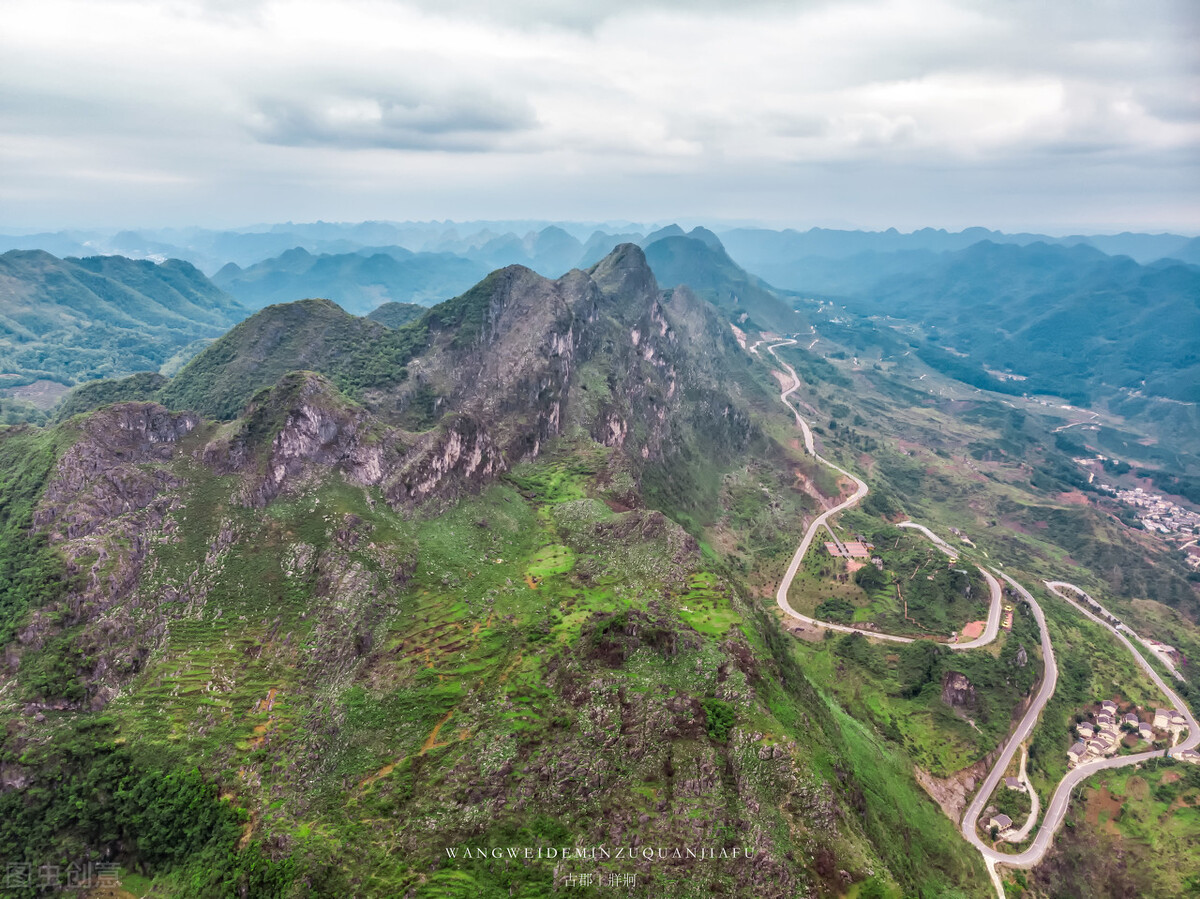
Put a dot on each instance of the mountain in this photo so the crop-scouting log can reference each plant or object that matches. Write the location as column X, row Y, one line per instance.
column 671, row 230
column 551, row 251
column 60, row 243
column 142, row 387
column 1188, row 252
column 310, row 334
column 433, row 588
column 71, row 320
column 785, row 257
column 358, row 281
column 397, row 315
column 1142, row 248
column 700, row 261
column 601, row 243
column 1069, row 320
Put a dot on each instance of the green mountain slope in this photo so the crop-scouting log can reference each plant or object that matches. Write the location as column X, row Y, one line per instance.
column 310, row 334
column 397, row 315
column 322, row 648
column 71, row 320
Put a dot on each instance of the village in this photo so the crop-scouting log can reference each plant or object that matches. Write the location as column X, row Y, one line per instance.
column 1157, row 515
column 1106, row 729
column 1099, row 733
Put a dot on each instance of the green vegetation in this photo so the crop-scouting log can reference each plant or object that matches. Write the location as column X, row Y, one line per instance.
column 1129, row 833
column 18, row 411
column 314, row 335
column 31, row 574
column 836, row 609
column 397, row 315
column 89, row 792
column 916, row 590
column 898, row 691
column 73, row 320
column 473, row 678
column 1014, row 803
column 719, row 717
column 142, row 387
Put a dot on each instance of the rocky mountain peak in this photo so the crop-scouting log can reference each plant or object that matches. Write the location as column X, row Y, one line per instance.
column 624, row 273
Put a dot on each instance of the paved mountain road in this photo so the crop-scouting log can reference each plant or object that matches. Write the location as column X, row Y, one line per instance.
column 1060, row 801
column 822, row 520
column 1019, row 735
column 1056, row 810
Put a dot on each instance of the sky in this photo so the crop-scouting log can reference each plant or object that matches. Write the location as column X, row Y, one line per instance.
column 1058, row 117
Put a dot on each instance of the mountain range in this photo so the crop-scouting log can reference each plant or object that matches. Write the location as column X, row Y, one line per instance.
column 339, row 595
column 358, row 282
column 431, row 590
column 72, row 320
column 552, row 248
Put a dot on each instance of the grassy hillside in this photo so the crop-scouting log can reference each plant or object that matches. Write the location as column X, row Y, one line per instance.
column 73, row 320
column 315, row 335
column 1125, row 835
column 519, row 670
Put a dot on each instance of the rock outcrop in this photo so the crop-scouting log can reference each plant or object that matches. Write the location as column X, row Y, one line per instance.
column 957, row 691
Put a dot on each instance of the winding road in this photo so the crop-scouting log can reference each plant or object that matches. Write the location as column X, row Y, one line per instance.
column 1019, row 735
column 1167, row 663
column 1056, row 810
column 1035, row 803
column 1057, row 807
column 822, row 520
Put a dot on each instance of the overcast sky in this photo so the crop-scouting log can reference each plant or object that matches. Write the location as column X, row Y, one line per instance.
column 1049, row 114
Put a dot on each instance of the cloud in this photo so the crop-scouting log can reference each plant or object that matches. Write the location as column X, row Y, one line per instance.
column 376, row 105
column 456, row 123
column 582, row 15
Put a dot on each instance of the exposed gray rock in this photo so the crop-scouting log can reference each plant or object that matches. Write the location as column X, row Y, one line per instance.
column 957, row 691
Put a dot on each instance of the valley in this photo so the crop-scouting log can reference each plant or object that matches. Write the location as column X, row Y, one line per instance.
column 651, row 450
column 501, row 572
column 1057, row 808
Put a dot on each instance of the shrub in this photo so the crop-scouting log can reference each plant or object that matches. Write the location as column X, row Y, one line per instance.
column 719, row 718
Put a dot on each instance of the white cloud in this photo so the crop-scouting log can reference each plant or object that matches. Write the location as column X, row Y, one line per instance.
column 165, row 110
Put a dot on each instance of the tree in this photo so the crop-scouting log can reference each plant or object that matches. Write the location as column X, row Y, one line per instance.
column 870, row 578
column 872, row 888
column 918, row 660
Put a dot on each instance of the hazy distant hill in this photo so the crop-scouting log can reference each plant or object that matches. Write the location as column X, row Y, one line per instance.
column 355, row 281
column 797, row 260
column 1070, row 320
column 601, row 243
column 699, row 261
column 70, row 320
column 1189, row 252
